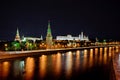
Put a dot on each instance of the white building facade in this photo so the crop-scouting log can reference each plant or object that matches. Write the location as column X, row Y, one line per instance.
column 31, row 38
column 81, row 37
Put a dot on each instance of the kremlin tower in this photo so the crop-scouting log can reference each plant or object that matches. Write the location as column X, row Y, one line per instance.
column 49, row 37
column 17, row 37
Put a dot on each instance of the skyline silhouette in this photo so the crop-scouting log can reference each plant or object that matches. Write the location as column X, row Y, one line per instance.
column 95, row 18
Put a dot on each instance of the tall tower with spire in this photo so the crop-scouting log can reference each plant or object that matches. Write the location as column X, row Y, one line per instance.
column 17, row 37
column 49, row 37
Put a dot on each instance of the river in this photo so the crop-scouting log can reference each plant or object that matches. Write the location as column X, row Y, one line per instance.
column 87, row 64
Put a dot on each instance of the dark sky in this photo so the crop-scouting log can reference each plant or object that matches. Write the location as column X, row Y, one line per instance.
column 96, row 18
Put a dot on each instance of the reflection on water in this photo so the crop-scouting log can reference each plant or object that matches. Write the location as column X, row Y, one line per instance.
column 18, row 66
column 5, row 68
column 105, row 55
column 77, row 61
column 96, row 51
column 57, row 65
column 110, row 51
column 85, row 59
column 91, row 58
column 117, row 49
column 96, row 55
column 69, row 64
column 42, row 65
column 29, row 68
column 100, row 57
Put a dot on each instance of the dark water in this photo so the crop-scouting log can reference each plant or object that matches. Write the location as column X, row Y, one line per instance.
column 91, row 64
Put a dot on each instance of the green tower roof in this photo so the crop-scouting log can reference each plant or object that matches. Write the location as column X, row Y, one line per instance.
column 49, row 29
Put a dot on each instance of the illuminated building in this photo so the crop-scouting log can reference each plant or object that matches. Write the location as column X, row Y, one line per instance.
column 31, row 38
column 17, row 37
column 49, row 37
column 81, row 37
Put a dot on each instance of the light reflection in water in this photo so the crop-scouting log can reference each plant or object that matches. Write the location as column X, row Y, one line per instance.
column 100, row 57
column 113, row 51
column 91, row 58
column 58, row 64
column 110, row 51
column 5, row 69
column 0, row 69
column 29, row 67
column 105, row 55
column 68, row 64
column 18, row 67
column 96, row 51
column 96, row 54
column 53, row 58
column 118, row 60
column 42, row 65
column 85, row 59
column 77, row 62
column 85, row 53
column 117, row 49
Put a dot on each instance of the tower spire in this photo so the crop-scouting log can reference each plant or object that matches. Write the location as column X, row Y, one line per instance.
column 49, row 29
column 49, row 37
column 17, row 37
column 17, row 33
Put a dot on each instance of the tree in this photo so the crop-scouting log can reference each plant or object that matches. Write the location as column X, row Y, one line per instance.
column 15, row 46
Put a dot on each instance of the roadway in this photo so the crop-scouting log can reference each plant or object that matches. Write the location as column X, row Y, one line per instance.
column 15, row 54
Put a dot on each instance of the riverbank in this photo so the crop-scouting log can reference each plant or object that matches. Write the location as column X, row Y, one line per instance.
column 60, row 49
column 16, row 54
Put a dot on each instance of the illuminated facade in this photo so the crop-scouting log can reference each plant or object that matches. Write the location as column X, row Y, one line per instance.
column 17, row 37
column 81, row 37
column 31, row 38
column 49, row 37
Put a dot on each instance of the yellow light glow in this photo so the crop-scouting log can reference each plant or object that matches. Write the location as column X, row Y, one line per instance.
column 105, row 56
column 100, row 57
column 110, row 51
column 58, row 64
column 42, row 65
column 77, row 61
column 85, row 59
column 96, row 51
column 85, row 53
column 29, row 67
column 5, row 69
column 68, row 64
column 91, row 58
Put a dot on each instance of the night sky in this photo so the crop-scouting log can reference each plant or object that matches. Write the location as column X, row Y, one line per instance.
column 96, row 18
